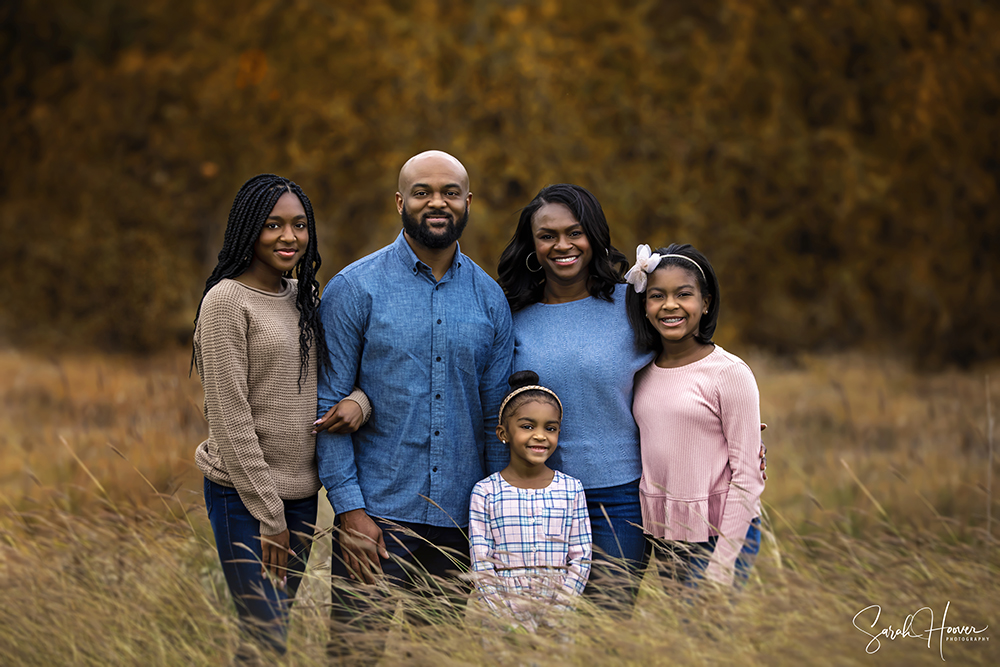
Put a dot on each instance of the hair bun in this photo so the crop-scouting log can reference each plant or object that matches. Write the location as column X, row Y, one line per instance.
column 522, row 379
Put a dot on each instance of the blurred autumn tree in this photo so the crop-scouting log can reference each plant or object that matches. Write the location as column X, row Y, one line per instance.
column 838, row 160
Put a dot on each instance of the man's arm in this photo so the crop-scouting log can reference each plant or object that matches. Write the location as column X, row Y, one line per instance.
column 493, row 386
column 341, row 311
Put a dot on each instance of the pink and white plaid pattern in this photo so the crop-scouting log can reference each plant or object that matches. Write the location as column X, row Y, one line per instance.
column 529, row 544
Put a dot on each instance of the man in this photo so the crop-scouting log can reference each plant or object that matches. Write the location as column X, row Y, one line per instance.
column 427, row 335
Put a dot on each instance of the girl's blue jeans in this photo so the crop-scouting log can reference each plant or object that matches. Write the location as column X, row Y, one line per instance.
column 262, row 607
column 686, row 562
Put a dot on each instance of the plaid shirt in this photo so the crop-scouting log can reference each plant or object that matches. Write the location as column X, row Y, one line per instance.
column 533, row 542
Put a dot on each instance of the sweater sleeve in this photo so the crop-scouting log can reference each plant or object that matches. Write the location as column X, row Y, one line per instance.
column 739, row 402
column 361, row 398
column 223, row 325
column 580, row 545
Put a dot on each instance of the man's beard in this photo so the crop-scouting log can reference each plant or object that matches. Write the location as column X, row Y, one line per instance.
column 421, row 232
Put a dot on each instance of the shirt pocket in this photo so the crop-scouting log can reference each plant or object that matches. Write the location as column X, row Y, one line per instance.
column 554, row 518
column 473, row 346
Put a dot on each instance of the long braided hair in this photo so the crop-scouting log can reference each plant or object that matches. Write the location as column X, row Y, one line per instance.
column 252, row 205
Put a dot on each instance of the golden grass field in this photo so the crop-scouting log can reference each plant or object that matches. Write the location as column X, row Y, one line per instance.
column 877, row 495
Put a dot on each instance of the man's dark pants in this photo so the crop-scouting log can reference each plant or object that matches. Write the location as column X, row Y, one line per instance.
column 424, row 560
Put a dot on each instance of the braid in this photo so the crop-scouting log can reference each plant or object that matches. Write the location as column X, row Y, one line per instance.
column 310, row 324
column 252, row 205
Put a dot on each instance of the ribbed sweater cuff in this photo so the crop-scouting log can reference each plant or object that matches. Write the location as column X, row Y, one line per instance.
column 274, row 526
column 361, row 399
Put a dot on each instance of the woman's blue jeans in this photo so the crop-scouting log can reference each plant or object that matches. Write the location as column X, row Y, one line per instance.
column 621, row 550
column 262, row 608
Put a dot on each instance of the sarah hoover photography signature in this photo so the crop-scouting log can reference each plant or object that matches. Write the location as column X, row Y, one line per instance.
column 918, row 625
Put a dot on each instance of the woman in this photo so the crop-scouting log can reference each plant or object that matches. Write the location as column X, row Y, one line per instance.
column 256, row 343
column 564, row 282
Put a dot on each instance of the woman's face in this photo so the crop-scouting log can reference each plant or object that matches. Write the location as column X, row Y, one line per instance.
column 284, row 237
column 561, row 245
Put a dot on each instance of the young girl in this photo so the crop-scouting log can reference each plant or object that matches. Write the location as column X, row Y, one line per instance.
column 528, row 524
column 257, row 340
column 698, row 411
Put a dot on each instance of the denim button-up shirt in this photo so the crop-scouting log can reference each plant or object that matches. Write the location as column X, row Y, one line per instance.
column 433, row 358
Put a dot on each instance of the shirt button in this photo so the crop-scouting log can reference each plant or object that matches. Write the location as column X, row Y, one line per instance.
column 437, row 395
column 439, row 321
column 434, row 469
column 438, row 359
column 437, row 432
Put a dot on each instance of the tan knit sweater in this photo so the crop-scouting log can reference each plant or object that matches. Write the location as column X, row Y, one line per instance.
column 246, row 346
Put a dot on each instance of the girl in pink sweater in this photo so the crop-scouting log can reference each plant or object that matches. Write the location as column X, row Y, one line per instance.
column 698, row 411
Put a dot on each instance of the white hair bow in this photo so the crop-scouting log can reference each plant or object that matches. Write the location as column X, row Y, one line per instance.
column 645, row 263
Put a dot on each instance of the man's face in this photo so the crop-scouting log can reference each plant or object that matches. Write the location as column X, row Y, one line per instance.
column 435, row 237
column 433, row 201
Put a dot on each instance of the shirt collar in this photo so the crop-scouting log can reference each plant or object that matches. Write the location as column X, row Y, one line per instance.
column 409, row 258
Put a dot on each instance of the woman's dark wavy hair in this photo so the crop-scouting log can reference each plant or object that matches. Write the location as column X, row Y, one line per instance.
column 607, row 266
column 646, row 336
column 252, row 205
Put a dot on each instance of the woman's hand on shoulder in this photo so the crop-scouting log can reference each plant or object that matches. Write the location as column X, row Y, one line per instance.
column 345, row 417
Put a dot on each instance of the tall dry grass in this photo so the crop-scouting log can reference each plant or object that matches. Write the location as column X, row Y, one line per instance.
column 876, row 495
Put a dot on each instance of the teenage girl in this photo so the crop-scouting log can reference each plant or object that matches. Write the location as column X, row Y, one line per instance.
column 698, row 411
column 257, row 340
column 528, row 524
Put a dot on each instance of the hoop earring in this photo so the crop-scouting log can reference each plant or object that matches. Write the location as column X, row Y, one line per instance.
column 529, row 265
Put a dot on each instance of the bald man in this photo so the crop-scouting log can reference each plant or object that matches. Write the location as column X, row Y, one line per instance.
column 427, row 335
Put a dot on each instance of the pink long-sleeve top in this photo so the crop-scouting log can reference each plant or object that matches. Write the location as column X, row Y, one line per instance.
column 699, row 431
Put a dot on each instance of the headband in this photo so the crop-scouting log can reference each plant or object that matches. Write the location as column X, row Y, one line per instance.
column 529, row 387
column 646, row 263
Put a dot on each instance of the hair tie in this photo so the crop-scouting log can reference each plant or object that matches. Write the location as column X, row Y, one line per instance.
column 646, row 263
column 525, row 388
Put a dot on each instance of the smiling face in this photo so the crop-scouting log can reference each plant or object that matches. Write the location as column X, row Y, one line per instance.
column 675, row 304
column 433, row 199
column 562, row 246
column 283, row 239
column 532, row 433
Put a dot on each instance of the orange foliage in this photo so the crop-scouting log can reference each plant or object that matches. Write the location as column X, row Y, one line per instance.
column 839, row 161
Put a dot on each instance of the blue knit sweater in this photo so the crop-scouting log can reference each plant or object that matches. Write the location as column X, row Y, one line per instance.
column 584, row 351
